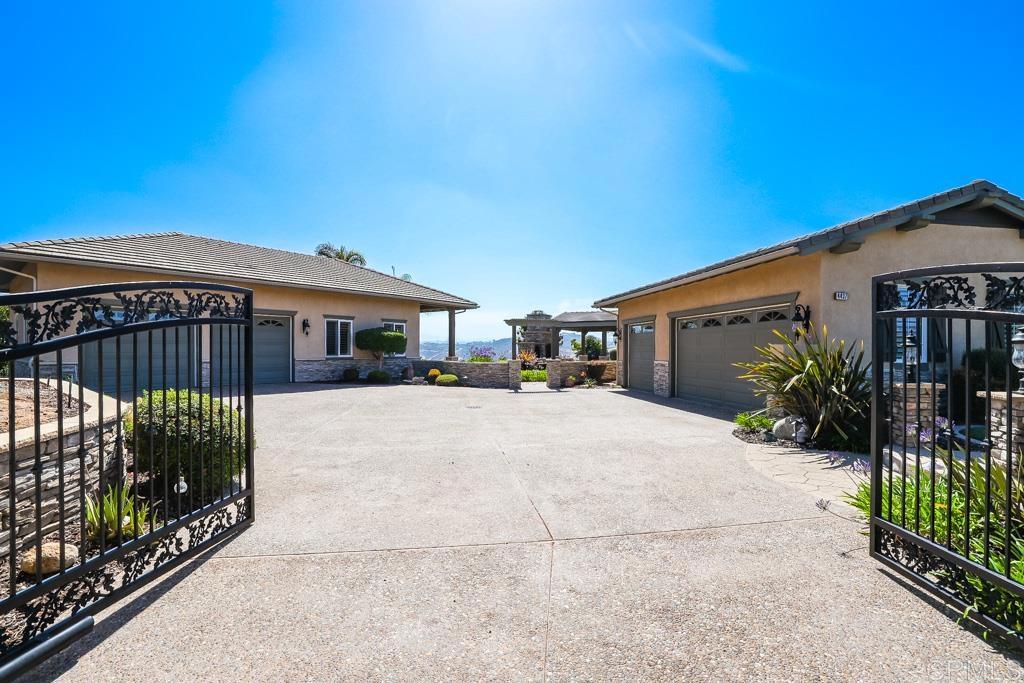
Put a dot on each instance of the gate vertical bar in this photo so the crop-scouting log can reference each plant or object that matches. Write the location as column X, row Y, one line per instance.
column 250, row 480
column 878, row 423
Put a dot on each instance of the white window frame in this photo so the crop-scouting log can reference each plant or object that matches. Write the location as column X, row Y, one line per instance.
column 327, row 332
column 394, row 325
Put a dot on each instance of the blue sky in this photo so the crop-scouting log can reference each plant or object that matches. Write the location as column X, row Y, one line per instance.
column 525, row 155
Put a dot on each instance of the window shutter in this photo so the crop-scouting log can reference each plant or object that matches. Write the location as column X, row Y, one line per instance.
column 345, row 337
column 332, row 338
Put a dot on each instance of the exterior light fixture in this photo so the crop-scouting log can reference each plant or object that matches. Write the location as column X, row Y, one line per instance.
column 910, row 356
column 181, row 486
column 1017, row 343
column 801, row 319
column 305, row 326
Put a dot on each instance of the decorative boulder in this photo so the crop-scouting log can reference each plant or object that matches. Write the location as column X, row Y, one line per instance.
column 785, row 429
column 50, row 557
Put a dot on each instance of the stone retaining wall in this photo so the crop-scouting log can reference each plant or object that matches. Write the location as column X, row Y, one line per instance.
column 1001, row 418
column 49, row 446
column 330, row 369
column 559, row 370
column 907, row 393
column 485, row 375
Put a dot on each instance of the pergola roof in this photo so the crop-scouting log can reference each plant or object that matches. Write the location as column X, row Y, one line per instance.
column 576, row 320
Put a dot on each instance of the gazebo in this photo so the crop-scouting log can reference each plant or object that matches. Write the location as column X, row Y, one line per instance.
column 541, row 333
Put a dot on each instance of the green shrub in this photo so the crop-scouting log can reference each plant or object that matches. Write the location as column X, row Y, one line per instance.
column 350, row 374
column 595, row 371
column 193, row 423
column 446, row 380
column 754, row 421
column 533, row 375
column 380, row 341
column 911, row 508
column 819, row 380
column 378, row 377
column 432, row 375
column 116, row 510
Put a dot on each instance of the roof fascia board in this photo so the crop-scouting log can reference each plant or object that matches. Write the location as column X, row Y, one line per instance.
column 271, row 283
column 697, row 277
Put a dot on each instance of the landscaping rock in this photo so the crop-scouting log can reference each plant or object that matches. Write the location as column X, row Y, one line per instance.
column 50, row 557
column 785, row 429
column 418, row 380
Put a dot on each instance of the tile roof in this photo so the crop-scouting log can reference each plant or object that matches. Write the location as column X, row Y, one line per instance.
column 585, row 317
column 176, row 252
column 860, row 226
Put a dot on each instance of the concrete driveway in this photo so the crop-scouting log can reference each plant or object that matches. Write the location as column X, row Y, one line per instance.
column 423, row 533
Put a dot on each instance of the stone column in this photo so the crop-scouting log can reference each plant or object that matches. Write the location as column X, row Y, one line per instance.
column 515, row 353
column 1004, row 420
column 604, row 342
column 554, row 374
column 905, row 394
column 451, row 335
column 515, row 378
column 583, row 343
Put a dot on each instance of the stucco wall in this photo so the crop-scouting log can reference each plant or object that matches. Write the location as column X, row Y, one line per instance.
column 368, row 311
column 800, row 274
column 819, row 275
column 889, row 251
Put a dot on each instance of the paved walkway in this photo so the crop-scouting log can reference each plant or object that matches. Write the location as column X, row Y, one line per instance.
column 428, row 533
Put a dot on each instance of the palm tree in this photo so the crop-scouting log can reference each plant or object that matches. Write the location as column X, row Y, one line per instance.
column 328, row 250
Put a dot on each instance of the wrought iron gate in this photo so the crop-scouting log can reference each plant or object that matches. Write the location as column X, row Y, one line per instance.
column 127, row 447
column 948, row 436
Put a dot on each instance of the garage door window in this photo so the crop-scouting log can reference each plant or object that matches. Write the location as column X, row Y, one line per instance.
column 711, row 322
column 339, row 339
column 737, row 320
column 771, row 316
column 687, row 324
column 641, row 329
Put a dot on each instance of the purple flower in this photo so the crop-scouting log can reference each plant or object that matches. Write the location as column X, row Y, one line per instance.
column 834, row 458
column 861, row 466
column 823, row 504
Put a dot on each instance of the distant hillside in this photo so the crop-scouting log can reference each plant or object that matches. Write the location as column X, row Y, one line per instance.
column 438, row 350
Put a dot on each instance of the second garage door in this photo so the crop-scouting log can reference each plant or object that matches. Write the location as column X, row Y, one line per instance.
column 272, row 350
column 640, row 351
column 707, row 348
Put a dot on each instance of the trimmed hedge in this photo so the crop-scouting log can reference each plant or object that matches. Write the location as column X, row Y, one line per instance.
column 378, row 377
column 350, row 374
column 533, row 375
column 446, row 380
column 210, row 430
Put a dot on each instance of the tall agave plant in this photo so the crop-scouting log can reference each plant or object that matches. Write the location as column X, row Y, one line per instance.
column 820, row 380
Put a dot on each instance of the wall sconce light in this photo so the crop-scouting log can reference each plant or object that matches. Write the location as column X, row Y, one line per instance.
column 801, row 318
column 305, row 326
column 1017, row 344
column 910, row 356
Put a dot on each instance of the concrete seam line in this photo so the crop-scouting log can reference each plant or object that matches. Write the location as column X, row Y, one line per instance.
column 547, row 609
column 523, row 488
column 498, row 544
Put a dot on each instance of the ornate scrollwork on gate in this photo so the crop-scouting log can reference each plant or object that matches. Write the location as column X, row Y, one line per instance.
column 943, row 291
column 1004, row 294
column 26, row 622
column 45, row 321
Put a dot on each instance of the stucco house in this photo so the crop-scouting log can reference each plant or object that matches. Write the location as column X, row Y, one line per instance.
column 680, row 336
column 307, row 307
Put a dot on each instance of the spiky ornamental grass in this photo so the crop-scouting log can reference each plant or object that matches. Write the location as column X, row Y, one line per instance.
column 820, row 380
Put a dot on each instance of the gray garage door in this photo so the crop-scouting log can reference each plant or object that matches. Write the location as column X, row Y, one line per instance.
column 707, row 347
column 272, row 350
column 640, row 347
column 168, row 343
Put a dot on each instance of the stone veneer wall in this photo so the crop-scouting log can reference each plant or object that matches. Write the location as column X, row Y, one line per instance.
column 907, row 393
column 25, row 478
column 330, row 369
column 662, row 385
column 1001, row 418
column 558, row 370
column 484, row 375
column 515, row 377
